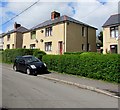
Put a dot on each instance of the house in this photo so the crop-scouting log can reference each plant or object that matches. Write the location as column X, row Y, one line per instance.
column 61, row 34
column 1, row 41
column 14, row 38
column 111, row 32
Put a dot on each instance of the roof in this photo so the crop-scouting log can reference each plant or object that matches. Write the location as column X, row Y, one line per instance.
column 59, row 20
column 19, row 29
column 1, row 35
column 113, row 20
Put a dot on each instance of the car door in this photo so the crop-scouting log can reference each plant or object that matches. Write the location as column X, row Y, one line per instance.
column 21, row 64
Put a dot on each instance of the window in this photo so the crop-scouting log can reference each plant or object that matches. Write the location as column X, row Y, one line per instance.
column 8, row 37
column 83, row 31
column 32, row 46
column 33, row 34
column 113, row 48
column 24, row 47
column 114, row 32
column 89, row 47
column 48, row 46
column 83, row 46
column 48, row 31
column 8, row 46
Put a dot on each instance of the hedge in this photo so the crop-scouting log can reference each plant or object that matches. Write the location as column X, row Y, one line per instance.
column 97, row 66
column 78, row 53
column 9, row 55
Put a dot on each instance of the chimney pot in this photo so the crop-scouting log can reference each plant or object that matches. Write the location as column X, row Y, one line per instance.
column 16, row 25
column 54, row 15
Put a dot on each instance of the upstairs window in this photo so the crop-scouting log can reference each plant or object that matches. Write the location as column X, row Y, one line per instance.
column 83, row 31
column 48, row 31
column 114, row 32
column 33, row 34
column 8, row 37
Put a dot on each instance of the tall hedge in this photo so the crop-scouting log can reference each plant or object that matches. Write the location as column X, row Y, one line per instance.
column 9, row 55
column 97, row 66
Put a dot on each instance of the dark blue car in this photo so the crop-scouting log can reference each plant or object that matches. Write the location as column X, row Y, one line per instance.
column 30, row 65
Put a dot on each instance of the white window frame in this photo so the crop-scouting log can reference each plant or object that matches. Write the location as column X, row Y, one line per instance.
column 48, row 46
column 114, row 32
column 48, row 31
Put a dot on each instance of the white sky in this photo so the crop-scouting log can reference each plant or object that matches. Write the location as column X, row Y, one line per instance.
column 91, row 12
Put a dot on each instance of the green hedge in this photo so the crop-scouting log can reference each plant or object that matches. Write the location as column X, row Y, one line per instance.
column 9, row 55
column 97, row 66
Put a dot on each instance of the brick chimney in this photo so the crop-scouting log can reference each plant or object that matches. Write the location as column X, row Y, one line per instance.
column 16, row 25
column 54, row 15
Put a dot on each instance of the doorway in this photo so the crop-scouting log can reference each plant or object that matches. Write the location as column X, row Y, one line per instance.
column 60, row 46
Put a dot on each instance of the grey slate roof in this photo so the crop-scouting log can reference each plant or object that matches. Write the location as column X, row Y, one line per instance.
column 1, row 35
column 113, row 20
column 19, row 29
column 58, row 20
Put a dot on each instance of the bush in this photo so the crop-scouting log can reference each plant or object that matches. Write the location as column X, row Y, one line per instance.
column 75, row 53
column 9, row 55
column 97, row 66
column 39, row 54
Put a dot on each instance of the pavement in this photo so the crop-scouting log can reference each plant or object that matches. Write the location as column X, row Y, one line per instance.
column 99, row 86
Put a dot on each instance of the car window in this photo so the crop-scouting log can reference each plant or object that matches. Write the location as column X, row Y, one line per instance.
column 31, row 59
column 20, row 60
column 17, row 59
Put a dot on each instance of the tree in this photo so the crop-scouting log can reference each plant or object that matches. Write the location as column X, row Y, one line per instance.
column 100, row 37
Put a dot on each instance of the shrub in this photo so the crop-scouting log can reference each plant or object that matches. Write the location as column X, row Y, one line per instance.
column 97, row 66
column 39, row 54
column 9, row 55
column 75, row 53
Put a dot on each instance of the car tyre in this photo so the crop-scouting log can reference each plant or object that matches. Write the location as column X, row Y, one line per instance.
column 28, row 71
column 14, row 68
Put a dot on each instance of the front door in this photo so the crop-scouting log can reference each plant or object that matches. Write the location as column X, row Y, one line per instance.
column 60, row 44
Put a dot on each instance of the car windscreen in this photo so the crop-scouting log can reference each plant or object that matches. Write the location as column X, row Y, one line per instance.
column 31, row 59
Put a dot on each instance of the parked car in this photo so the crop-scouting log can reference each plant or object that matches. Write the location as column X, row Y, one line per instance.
column 29, row 64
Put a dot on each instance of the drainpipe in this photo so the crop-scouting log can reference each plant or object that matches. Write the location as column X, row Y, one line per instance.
column 87, row 49
column 64, row 37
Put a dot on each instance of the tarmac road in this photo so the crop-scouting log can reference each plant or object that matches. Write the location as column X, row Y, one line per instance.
column 24, row 91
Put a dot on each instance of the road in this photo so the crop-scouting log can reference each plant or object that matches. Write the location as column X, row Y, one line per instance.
column 24, row 91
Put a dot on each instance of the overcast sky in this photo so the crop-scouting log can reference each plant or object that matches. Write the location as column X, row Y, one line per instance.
column 92, row 12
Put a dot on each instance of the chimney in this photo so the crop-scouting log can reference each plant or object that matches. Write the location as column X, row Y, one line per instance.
column 16, row 25
column 54, row 15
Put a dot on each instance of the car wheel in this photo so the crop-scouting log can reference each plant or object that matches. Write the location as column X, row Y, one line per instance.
column 15, row 68
column 28, row 71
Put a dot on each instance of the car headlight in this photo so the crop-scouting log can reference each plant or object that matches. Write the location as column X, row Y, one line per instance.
column 45, row 65
column 33, row 66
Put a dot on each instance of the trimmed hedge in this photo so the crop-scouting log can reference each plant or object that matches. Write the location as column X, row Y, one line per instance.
column 9, row 55
column 39, row 54
column 78, row 53
column 97, row 66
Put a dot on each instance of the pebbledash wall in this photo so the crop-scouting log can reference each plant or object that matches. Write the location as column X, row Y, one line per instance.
column 67, row 35
column 108, row 41
column 111, row 35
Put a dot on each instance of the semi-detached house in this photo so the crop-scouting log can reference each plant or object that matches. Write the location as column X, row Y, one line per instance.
column 13, row 39
column 61, row 34
column 111, row 35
